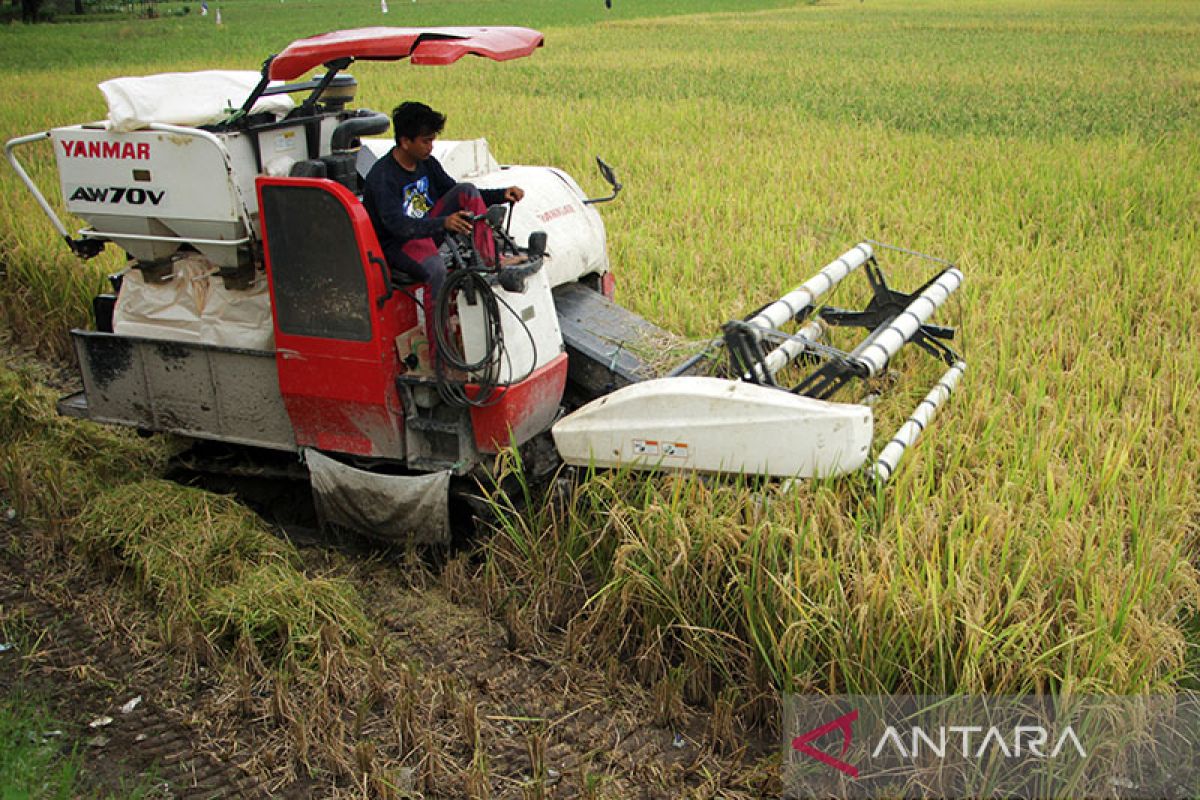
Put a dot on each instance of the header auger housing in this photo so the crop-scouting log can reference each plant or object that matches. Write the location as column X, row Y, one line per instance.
column 258, row 309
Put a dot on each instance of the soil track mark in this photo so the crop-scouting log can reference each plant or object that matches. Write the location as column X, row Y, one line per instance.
column 86, row 675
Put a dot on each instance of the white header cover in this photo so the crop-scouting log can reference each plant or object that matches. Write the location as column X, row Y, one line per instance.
column 184, row 98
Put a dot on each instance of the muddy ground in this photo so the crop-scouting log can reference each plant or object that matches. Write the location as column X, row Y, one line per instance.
column 461, row 707
column 495, row 720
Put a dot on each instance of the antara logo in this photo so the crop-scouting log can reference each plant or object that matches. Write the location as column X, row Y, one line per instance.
column 1023, row 741
column 137, row 151
column 974, row 741
column 118, row 194
column 845, row 724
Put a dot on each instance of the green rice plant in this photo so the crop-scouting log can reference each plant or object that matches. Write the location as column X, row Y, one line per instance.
column 35, row 765
column 286, row 613
column 540, row 559
column 50, row 466
column 817, row 591
column 32, row 765
column 179, row 543
column 210, row 566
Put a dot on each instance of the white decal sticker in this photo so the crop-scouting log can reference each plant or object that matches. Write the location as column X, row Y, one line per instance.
column 645, row 447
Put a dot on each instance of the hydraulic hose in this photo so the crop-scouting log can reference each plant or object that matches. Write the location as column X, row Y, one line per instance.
column 449, row 355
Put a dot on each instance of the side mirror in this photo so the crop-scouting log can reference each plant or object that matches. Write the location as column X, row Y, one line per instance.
column 610, row 176
column 607, row 173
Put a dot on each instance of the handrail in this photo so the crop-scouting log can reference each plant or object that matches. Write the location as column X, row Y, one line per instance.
column 12, row 145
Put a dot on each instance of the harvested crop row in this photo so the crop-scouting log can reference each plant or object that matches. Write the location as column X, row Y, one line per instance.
column 204, row 560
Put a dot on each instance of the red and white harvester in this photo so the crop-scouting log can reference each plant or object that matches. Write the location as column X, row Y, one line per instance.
column 256, row 308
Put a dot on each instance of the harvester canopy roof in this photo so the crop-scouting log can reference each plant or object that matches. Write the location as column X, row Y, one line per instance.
column 423, row 45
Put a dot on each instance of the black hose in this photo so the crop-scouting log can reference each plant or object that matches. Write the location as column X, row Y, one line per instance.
column 448, row 355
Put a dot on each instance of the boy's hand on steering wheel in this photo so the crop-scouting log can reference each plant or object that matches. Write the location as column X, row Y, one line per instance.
column 513, row 194
column 459, row 222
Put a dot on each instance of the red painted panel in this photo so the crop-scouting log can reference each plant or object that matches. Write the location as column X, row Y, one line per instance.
column 526, row 409
column 608, row 285
column 341, row 395
column 423, row 45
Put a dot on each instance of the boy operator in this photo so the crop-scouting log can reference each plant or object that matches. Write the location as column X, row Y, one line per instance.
column 413, row 203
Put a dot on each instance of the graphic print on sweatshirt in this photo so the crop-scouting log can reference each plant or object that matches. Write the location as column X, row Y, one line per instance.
column 417, row 201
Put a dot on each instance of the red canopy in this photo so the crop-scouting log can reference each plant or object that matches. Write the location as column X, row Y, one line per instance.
column 422, row 45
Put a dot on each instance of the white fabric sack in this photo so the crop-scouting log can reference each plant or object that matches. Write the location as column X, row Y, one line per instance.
column 193, row 305
column 238, row 317
column 167, row 309
column 185, row 98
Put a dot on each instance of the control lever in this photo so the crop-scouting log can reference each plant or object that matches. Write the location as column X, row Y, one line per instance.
column 494, row 216
column 513, row 278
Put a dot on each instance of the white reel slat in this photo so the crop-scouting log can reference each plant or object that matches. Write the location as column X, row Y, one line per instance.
column 875, row 354
column 790, row 350
column 885, row 465
column 777, row 314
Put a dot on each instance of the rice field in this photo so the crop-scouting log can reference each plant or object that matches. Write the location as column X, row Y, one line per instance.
column 1043, row 535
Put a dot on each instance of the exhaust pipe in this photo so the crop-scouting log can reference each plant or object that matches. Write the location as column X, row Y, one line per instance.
column 365, row 123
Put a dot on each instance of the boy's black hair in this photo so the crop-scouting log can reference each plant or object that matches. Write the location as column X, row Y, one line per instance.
column 412, row 120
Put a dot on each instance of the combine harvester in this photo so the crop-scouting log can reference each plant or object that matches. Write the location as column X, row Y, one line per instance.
column 257, row 310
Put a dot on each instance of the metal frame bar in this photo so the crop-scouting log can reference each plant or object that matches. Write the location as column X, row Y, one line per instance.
column 893, row 318
column 91, row 233
column 906, row 435
column 12, row 145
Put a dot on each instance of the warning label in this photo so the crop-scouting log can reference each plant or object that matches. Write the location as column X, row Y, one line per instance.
column 653, row 447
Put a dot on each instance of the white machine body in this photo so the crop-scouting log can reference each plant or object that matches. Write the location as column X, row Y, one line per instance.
column 716, row 425
column 554, row 203
column 154, row 189
column 529, row 323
